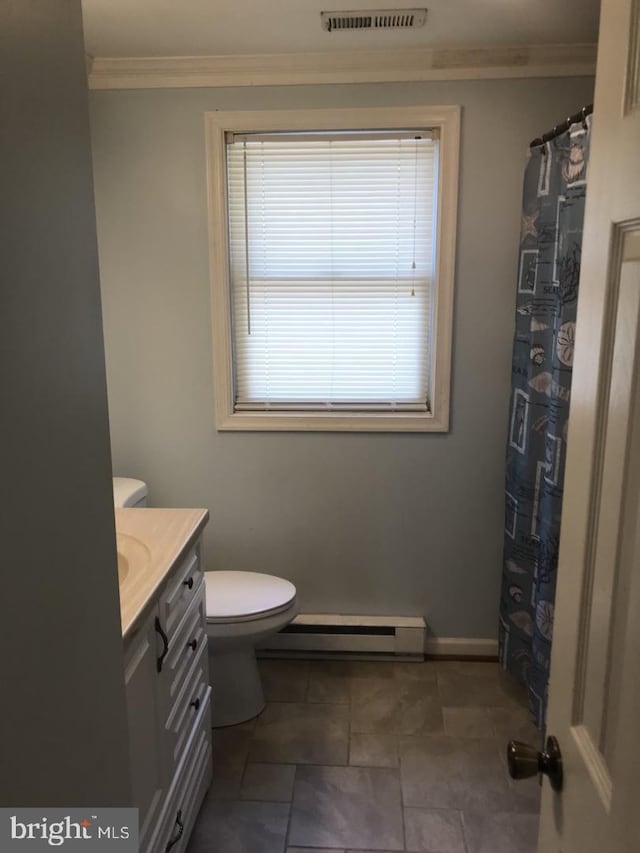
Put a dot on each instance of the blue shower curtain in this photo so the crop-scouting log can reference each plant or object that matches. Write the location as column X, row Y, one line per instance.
column 547, row 293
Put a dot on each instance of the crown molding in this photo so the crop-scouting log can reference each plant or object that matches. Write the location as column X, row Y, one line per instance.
column 366, row 66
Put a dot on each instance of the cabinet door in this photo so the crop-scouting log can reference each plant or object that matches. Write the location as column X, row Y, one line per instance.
column 146, row 729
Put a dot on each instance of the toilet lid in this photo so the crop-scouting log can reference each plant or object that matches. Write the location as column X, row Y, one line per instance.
column 240, row 596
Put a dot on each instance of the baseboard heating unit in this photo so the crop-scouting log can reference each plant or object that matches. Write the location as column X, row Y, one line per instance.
column 330, row 635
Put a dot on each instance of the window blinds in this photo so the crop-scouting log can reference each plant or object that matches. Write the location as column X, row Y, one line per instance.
column 331, row 241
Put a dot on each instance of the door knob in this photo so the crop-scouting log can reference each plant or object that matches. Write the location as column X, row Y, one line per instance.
column 525, row 761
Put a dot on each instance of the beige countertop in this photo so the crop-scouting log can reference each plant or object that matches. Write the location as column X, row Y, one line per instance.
column 152, row 541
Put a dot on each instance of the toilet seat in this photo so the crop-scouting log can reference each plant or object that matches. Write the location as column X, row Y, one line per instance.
column 233, row 597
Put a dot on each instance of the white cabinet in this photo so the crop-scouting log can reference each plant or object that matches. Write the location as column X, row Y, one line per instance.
column 168, row 697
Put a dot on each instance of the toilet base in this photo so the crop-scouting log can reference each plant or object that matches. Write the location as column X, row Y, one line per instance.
column 237, row 694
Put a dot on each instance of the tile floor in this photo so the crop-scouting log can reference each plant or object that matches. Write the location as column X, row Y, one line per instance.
column 373, row 756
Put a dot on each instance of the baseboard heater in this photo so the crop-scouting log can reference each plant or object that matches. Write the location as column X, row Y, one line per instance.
column 334, row 636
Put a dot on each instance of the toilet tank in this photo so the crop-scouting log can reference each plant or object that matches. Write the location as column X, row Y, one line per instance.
column 129, row 492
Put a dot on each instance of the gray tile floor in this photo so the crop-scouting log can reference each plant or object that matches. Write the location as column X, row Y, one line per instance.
column 373, row 756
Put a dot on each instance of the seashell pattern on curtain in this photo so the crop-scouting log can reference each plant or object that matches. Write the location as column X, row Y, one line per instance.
column 545, row 321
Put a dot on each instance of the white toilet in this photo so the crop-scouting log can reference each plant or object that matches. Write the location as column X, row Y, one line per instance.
column 243, row 608
column 129, row 492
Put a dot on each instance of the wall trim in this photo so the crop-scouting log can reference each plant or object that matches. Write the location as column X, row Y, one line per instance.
column 461, row 647
column 365, row 66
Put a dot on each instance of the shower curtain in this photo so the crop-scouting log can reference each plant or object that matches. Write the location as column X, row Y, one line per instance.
column 547, row 292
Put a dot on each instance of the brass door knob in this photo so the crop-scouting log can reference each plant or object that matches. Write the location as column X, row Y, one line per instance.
column 525, row 761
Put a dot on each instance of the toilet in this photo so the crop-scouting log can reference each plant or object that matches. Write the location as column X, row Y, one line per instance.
column 243, row 608
column 129, row 492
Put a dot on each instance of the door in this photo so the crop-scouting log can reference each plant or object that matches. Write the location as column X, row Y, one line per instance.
column 594, row 707
column 146, row 729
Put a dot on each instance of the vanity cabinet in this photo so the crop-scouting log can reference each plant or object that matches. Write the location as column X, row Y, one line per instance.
column 168, row 699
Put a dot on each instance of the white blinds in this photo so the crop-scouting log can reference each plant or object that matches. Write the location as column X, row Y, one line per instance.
column 331, row 262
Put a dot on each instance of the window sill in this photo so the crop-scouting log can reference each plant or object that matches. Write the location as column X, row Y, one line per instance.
column 331, row 422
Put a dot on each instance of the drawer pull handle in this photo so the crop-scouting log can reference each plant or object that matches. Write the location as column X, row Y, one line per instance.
column 165, row 645
column 195, row 704
column 192, row 645
column 188, row 583
column 177, row 837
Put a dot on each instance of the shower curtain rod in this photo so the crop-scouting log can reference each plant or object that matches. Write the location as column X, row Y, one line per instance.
column 560, row 128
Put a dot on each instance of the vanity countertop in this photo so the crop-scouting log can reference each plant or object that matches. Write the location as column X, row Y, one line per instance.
column 165, row 534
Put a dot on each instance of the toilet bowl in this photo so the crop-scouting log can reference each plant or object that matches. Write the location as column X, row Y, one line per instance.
column 243, row 608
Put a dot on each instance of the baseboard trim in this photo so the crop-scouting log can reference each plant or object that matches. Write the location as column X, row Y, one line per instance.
column 461, row 648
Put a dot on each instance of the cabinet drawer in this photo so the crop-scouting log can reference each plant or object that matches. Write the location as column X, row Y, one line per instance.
column 180, row 590
column 191, row 783
column 188, row 641
column 191, row 698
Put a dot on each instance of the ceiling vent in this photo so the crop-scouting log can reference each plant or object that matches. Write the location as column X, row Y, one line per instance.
column 375, row 19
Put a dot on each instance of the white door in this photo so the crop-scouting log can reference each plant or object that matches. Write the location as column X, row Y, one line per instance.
column 146, row 728
column 594, row 708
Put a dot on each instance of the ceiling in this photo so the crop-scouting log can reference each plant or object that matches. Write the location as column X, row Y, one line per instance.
column 140, row 28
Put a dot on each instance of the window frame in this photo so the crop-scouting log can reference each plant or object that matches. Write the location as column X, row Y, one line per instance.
column 444, row 119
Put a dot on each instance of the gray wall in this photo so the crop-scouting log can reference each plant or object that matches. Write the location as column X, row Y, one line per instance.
column 63, row 718
column 397, row 524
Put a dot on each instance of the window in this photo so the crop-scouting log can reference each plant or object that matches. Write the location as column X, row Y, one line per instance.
column 332, row 267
